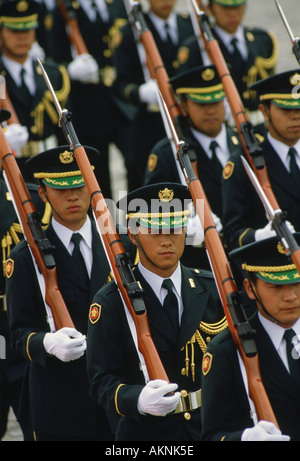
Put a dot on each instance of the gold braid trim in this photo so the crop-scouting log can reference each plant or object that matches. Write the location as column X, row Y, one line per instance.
column 116, row 399
column 288, row 267
column 47, row 216
column 159, row 215
column 214, row 328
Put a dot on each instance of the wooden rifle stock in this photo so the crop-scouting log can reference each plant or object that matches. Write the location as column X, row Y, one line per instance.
column 130, row 290
column 250, row 144
column 118, row 261
column 69, row 15
column 240, row 328
column 40, row 246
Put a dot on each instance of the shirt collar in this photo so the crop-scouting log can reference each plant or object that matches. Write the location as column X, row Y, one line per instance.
column 65, row 234
column 159, row 25
column 275, row 331
column 205, row 141
column 282, row 149
column 226, row 39
column 155, row 281
column 14, row 68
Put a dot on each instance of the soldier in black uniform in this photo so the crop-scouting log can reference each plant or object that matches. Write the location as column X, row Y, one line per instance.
column 26, row 86
column 244, row 216
column 12, row 365
column 180, row 335
column 93, row 103
column 57, row 384
column 251, row 56
column 137, row 90
column 273, row 282
column 202, row 101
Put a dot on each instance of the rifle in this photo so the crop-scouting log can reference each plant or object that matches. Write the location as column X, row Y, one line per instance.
column 295, row 40
column 68, row 13
column 130, row 289
column 253, row 151
column 157, row 71
column 40, row 247
column 240, row 328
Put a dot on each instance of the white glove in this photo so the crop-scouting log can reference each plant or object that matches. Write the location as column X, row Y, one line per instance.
column 36, row 51
column 217, row 221
column 153, row 400
column 267, row 231
column 194, row 232
column 66, row 344
column 148, row 92
column 17, row 136
column 264, row 431
column 84, row 68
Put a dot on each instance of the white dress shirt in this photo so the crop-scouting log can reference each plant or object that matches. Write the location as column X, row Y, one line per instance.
column 222, row 151
column 155, row 281
column 276, row 333
column 282, row 151
column 90, row 12
column 160, row 24
column 227, row 38
column 14, row 69
column 65, row 236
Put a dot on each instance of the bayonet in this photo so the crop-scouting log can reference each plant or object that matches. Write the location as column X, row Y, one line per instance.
column 295, row 40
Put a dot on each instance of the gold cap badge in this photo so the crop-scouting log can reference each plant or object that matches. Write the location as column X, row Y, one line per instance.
column 166, row 195
column 66, row 157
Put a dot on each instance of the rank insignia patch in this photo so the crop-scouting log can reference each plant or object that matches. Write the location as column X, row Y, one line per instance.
column 10, row 264
column 95, row 312
column 228, row 170
column 206, row 363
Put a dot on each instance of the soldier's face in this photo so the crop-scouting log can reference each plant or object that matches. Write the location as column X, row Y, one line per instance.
column 163, row 249
column 281, row 301
column 283, row 124
column 69, row 206
column 17, row 44
column 206, row 118
column 162, row 8
column 228, row 18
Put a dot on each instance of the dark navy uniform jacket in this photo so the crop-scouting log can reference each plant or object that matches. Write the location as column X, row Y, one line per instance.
column 116, row 379
column 58, row 391
column 261, row 62
column 243, row 211
column 225, row 406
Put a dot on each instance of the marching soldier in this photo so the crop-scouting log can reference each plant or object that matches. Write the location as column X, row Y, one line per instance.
column 251, row 53
column 273, row 283
column 56, row 379
column 26, row 86
column 137, row 90
column 92, row 77
column 184, row 313
column 244, row 218
column 202, row 101
column 12, row 367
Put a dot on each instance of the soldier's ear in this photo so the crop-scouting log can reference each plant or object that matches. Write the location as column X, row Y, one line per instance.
column 265, row 111
column 248, row 289
column 42, row 193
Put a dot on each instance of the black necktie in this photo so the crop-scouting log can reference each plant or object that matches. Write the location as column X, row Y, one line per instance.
column 292, row 356
column 99, row 21
column 27, row 98
column 169, row 42
column 77, row 255
column 217, row 167
column 237, row 59
column 294, row 169
column 171, row 305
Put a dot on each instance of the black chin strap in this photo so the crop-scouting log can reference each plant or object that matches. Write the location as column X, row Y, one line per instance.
column 261, row 304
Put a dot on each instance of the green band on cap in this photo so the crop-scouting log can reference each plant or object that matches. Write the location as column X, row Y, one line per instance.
column 25, row 23
column 206, row 98
column 230, row 2
column 280, row 278
column 64, row 183
column 287, row 103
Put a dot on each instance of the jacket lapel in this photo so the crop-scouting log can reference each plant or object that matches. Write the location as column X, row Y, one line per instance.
column 271, row 365
column 157, row 318
column 277, row 171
